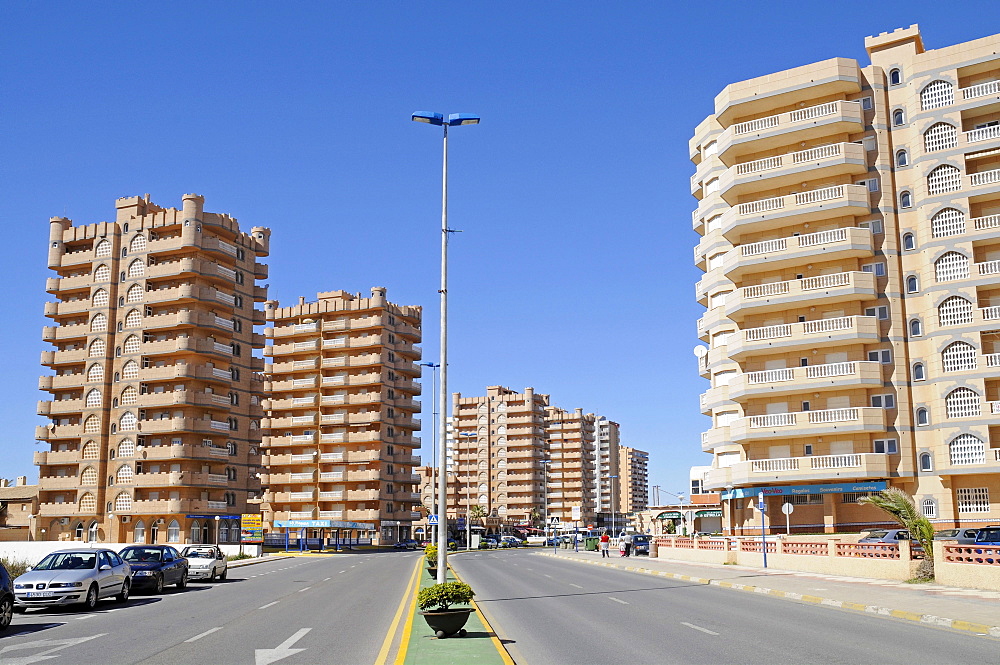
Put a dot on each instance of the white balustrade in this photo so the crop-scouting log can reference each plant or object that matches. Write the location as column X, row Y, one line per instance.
column 304, row 364
column 992, row 359
column 833, row 416
column 988, row 222
column 756, row 166
column 225, row 272
column 814, row 154
column 990, row 313
column 835, row 461
column 331, row 457
column 219, row 425
column 764, row 205
column 304, row 346
column 989, row 268
column 770, row 376
column 301, row 476
column 756, row 125
column 826, row 281
column 818, row 195
column 828, row 325
column 772, row 420
column 981, row 90
column 984, row 178
column 830, row 369
column 305, row 457
column 764, row 247
column 765, row 290
column 306, row 327
column 303, row 420
column 822, row 237
column 774, row 465
column 983, row 134
column 814, row 112
column 767, row 332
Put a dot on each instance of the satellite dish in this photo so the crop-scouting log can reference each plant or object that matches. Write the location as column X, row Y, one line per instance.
column 700, row 350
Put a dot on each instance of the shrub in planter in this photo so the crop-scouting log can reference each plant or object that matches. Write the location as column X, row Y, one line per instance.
column 435, row 603
column 431, row 555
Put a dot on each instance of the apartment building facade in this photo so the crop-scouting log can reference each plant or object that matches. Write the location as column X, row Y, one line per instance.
column 607, row 442
column 340, row 449
column 572, row 446
column 633, row 473
column 850, row 240
column 155, row 409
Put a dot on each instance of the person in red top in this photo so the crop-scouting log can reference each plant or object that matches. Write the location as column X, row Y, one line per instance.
column 605, row 544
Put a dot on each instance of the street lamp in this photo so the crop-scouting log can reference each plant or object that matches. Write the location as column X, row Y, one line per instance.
column 545, row 496
column 434, row 442
column 614, row 506
column 468, row 499
column 453, row 120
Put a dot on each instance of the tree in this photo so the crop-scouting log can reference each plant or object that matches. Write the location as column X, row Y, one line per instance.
column 476, row 513
column 536, row 516
column 901, row 506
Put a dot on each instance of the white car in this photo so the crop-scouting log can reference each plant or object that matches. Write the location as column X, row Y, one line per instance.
column 73, row 576
column 206, row 562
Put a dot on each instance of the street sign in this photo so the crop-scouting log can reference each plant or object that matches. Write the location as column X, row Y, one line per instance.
column 576, row 513
column 251, row 528
column 787, row 508
column 432, row 520
column 553, row 520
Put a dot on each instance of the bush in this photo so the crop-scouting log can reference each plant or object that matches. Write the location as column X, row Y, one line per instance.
column 237, row 557
column 443, row 596
column 14, row 567
column 431, row 554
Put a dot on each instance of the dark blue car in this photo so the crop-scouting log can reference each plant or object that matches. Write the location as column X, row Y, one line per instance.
column 156, row 566
column 6, row 599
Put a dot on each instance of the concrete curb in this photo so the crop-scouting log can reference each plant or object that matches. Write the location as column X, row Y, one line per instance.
column 249, row 562
column 954, row 624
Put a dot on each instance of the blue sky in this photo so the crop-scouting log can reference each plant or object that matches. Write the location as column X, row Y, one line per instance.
column 574, row 273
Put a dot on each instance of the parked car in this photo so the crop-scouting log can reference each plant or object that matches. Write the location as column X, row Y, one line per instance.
column 963, row 536
column 640, row 544
column 492, row 542
column 6, row 599
column 988, row 536
column 206, row 562
column 885, row 536
column 156, row 566
column 73, row 576
column 512, row 541
column 405, row 544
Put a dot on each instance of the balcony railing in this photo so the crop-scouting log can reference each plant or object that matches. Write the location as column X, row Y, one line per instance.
column 761, row 124
column 983, row 134
column 981, row 90
column 984, row 178
column 790, row 159
column 772, row 420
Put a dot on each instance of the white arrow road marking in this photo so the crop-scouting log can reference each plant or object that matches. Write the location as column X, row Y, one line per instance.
column 51, row 647
column 201, row 635
column 704, row 630
column 283, row 650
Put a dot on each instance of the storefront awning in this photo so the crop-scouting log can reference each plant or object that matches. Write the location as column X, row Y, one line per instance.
column 669, row 515
column 708, row 513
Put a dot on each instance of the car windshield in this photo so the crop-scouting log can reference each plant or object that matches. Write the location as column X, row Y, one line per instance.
column 141, row 554
column 640, row 539
column 876, row 534
column 988, row 536
column 199, row 554
column 68, row 561
column 947, row 533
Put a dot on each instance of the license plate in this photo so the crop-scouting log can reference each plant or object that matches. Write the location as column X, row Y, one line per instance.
column 40, row 594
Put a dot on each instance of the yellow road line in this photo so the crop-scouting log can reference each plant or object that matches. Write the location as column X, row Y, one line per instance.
column 390, row 636
column 404, row 641
column 504, row 656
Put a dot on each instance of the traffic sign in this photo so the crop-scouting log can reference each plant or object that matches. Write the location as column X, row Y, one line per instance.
column 432, row 520
column 576, row 513
column 553, row 520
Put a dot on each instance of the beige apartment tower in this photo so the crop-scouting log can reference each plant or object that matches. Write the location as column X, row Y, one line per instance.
column 850, row 236
column 606, row 451
column 572, row 468
column 634, row 477
column 339, row 437
column 155, row 409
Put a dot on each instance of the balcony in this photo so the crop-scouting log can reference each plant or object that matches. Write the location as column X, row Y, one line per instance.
column 853, row 466
column 811, row 206
column 983, row 179
column 788, row 170
column 809, row 379
column 835, row 244
column 779, row 296
column 808, row 423
column 823, row 333
column 981, row 90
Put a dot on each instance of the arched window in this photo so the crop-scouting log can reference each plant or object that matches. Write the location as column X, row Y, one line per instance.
column 196, row 531
column 958, row 356
column 89, row 476
column 909, row 242
column 94, row 398
column 133, row 319
column 231, row 447
column 92, row 533
column 129, row 396
column 947, row 222
column 130, row 370
column 88, row 503
column 102, row 274
column 101, row 298
column 962, row 403
column 132, row 344
column 139, row 532
column 103, row 249
column 98, row 348
column 137, row 268
column 928, row 508
column 173, row 532
column 937, row 94
column 123, row 503
column 905, row 199
column 134, row 294
column 78, row 531
column 124, row 475
column 966, row 449
column 922, row 417
column 138, row 243
column 224, row 530
column 951, row 266
column 912, row 285
column 918, row 372
column 901, row 158
column 898, row 117
column 99, row 323
column 945, row 178
column 91, row 425
column 483, row 500
column 915, row 328
column 90, row 450
column 95, row 373
column 954, row 311
column 926, row 462
column 482, row 408
column 940, row 136
column 128, row 422
column 126, row 448
column 895, row 76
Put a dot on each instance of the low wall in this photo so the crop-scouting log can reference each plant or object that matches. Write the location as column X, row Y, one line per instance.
column 33, row 551
column 970, row 566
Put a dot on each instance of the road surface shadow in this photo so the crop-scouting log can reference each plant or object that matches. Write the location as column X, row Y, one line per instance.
column 21, row 629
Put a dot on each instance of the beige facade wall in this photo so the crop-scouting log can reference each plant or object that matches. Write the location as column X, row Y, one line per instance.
column 341, row 402
column 849, row 236
column 607, row 444
column 155, row 409
column 634, row 478
column 572, row 469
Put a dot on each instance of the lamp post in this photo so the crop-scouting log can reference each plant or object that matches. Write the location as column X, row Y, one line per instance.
column 545, row 495
column 614, row 506
column 680, row 498
column 434, row 442
column 468, row 499
column 453, row 120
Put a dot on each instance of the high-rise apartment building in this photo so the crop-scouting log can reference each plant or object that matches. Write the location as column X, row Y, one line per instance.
column 606, row 444
column 850, row 237
column 339, row 437
column 155, row 408
column 572, row 443
column 633, row 475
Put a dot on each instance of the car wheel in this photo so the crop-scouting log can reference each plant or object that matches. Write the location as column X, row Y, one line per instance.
column 184, row 580
column 90, row 602
column 212, row 577
column 224, row 575
column 122, row 596
column 158, row 589
column 6, row 612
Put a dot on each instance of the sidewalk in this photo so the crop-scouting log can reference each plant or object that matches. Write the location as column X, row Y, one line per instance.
column 960, row 609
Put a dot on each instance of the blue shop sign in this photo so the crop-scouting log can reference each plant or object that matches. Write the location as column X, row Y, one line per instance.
column 791, row 490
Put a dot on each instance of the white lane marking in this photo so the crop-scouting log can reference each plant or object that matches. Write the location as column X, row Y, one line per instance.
column 326, row 579
column 305, row 589
column 85, row 616
column 704, row 630
column 577, row 586
column 546, row 575
column 264, row 607
column 617, row 600
column 207, row 632
column 343, row 571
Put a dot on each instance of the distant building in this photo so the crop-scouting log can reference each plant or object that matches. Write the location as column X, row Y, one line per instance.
column 606, row 446
column 633, row 476
column 18, row 505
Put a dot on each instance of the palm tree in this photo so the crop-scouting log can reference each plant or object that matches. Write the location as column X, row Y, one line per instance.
column 476, row 513
column 901, row 506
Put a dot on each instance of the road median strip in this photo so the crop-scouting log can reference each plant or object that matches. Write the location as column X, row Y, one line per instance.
column 954, row 624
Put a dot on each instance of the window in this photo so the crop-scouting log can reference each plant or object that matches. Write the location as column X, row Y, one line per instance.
column 877, row 268
column 887, row 401
column 901, row 159
column 92, row 532
column 808, row 449
column 91, row 425
column 224, row 531
column 947, row 222
column 940, row 136
column 958, row 356
column 123, row 503
column 905, row 199
column 867, row 103
column 124, row 475
column 945, row 178
column 881, row 312
column 962, row 403
column 954, row 311
column 132, row 344
column 231, row 448
column 951, row 266
column 973, row 499
column 133, row 319
column 883, row 356
column 94, row 398
column 922, row 417
column 886, row 446
column 912, row 286
column 134, row 294
column 90, row 450
column 138, row 243
column 918, row 372
column 909, row 242
column 898, row 117
column 128, row 422
column 126, row 448
column 937, row 94
column 88, row 503
column 173, row 532
column 103, row 249
column 89, row 476
column 915, row 328
column 139, row 532
column 99, row 323
column 895, row 76
column 926, row 462
column 130, row 370
column 928, row 508
column 102, row 274
column 137, row 268
column 101, row 298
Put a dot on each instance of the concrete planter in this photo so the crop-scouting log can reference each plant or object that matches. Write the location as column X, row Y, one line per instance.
column 446, row 623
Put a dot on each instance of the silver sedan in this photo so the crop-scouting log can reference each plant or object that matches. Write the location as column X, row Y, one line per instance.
column 66, row 577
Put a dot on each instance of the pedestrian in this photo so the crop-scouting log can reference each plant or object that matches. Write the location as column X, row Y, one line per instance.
column 627, row 542
column 621, row 547
column 605, row 544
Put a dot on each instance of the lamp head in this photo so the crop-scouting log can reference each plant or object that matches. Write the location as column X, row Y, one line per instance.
column 428, row 117
column 455, row 119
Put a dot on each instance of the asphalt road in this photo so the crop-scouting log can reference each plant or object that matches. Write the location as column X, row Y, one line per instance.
column 552, row 612
column 307, row 610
